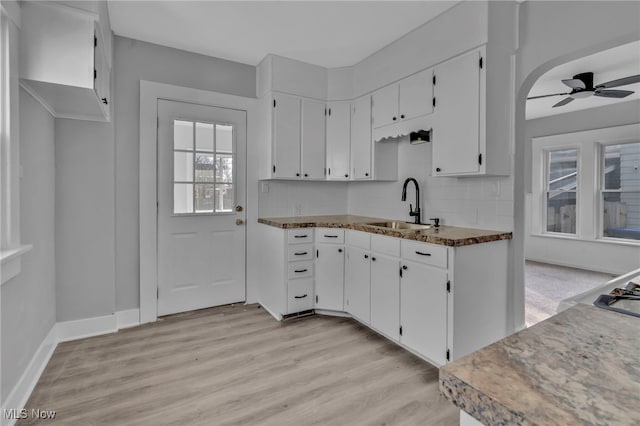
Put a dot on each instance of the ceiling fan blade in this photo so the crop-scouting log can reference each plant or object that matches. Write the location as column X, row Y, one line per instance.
column 574, row 83
column 563, row 102
column 546, row 96
column 620, row 82
column 613, row 93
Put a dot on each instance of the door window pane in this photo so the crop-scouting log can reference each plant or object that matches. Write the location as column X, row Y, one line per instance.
column 224, row 198
column 224, row 138
column 204, row 167
column 182, row 198
column 204, row 137
column 224, row 168
column 204, row 198
column 183, row 135
column 182, row 166
column 561, row 189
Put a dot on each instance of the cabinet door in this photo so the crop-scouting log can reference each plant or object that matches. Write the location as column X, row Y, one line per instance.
column 385, row 295
column 357, row 283
column 416, row 95
column 385, row 106
column 313, row 127
column 338, row 135
column 456, row 134
column 423, row 310
column 330, row 277
column 286, row 136
column 361, row 138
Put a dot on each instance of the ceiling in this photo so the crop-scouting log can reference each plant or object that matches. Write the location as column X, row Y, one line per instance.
column 612, row 64
column 326, row 33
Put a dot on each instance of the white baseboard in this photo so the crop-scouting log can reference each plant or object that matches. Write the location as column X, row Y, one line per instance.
column 21, row 392
column 88, row 327
column 273, row 314
column 128, row 318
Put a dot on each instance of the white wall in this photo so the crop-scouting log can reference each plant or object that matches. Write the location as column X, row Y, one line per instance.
column 302, row 198
column 545, row 42
column 615, row 258
column 28, row 300
column 134, row 61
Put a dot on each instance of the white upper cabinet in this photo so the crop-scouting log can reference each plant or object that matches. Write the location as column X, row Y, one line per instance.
column 457, row 138
column 338, row 140
column 313, row 139
column 286, row 136
column 361, row 139
column 411, row 97
column 63, row 62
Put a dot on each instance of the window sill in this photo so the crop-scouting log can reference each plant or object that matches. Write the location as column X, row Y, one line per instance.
column 11, row 262
column 603, row 240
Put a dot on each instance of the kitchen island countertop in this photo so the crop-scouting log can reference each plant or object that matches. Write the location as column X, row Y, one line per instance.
column 581, row 366
column 452, row 236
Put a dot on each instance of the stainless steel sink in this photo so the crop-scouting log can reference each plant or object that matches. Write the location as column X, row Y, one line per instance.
column 400, row 225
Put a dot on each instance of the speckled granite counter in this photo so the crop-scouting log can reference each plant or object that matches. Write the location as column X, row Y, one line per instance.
column 444, row 235
column 581, row 366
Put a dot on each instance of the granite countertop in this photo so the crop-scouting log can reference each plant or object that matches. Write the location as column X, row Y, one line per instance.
column 581, row 366
column 444, row 235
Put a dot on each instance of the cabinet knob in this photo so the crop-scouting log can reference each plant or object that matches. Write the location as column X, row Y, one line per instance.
column 306, row 175
column 402, row 116
column 366, row 256
column 346, row 175
column 395, row 118
column 297, row 174
column 404, row 267
column 104, row 101
column 373, row 259
column 438, row 169
column 366, row 174
column 339, row 250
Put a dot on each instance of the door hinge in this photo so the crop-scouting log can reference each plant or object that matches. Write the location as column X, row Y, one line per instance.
column 329, row 112
column 158, row 293
column 274, row 103
column 448, row 355
column 434, row 101
column 401, row 330
column 317, row 255
column 95, row 41
column 316, row 298
column 325, row 111
column 329, row 171
column 481, row 64
column 434, row 79
column 448, row 286
column 95, row 74
column 401, row 271
column 480, row 159
column 274, row 168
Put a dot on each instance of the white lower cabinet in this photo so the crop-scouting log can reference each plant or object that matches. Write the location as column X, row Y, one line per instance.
column 329, row 266
column 423, row 313
column 357, row 289
column 385, row 295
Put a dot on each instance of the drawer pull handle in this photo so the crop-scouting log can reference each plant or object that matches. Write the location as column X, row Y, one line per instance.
column 423, row 254
column 300, row 270
column 330, row 236
column 300, row 236
column 300, row 297
column 301, row 253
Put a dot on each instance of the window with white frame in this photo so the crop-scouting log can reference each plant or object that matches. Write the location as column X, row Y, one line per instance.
column 561, row 189
column 620, row 190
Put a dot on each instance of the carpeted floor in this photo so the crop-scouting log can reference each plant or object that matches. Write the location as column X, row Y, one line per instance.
column 546, row 285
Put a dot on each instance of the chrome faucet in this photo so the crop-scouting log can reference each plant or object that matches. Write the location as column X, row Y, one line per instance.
column 415, row 213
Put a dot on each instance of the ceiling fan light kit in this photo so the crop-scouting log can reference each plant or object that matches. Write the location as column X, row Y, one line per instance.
column 582, row 87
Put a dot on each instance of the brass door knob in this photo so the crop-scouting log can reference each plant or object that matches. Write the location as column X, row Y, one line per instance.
column 239, row 221
column 238, row 208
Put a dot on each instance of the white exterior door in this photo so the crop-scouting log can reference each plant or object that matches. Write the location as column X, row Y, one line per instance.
column 201, row 198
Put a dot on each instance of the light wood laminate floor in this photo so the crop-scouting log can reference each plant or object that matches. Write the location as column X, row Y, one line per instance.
column 236, row 365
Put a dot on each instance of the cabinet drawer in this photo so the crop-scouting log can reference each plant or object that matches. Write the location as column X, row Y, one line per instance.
column 359, row 239
column 329, row 235
column 302, row 235
column 430, row 254
column 300, row 269
column 300, row 252
column 299, row 295
column 385, row 245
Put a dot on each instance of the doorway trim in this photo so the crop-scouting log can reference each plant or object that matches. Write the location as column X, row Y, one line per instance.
column 150, row 93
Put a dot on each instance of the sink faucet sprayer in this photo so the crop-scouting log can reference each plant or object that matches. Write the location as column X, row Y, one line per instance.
column 415, row 213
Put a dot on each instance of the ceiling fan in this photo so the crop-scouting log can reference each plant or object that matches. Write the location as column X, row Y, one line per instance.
column 582, row 87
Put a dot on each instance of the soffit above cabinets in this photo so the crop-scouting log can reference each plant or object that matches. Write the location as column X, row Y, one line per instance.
column 608, row 65
column 326, row 33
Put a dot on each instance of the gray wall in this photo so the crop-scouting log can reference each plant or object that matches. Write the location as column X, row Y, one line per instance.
column 135, row 61
column 28, row 300
column 85, row 224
